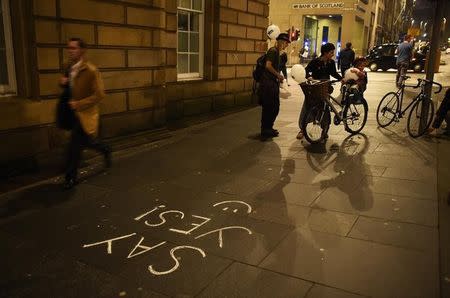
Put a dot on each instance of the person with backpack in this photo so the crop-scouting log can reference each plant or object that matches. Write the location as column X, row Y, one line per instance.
column 346, row 58
column 269, row 87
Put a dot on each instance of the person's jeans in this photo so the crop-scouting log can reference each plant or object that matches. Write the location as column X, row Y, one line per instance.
column 402, row 68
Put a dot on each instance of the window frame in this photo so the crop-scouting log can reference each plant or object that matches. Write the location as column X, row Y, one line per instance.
column 201, row 51
column 11, row 88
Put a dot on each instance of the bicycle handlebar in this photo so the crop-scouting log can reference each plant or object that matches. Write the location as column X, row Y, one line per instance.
column 419, row 82
column 313, row 81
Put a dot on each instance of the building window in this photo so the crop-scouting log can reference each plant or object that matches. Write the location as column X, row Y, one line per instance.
column 7, row 74
column 190, row 39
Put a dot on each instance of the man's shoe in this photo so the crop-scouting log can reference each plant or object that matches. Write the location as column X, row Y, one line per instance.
column 265, row 134
column 69, row 184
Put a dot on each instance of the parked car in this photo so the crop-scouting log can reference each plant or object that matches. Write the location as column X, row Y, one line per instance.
column 384, row 57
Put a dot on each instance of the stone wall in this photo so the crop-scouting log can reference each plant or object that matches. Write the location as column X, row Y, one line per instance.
column 240, row 40
column 133, row 42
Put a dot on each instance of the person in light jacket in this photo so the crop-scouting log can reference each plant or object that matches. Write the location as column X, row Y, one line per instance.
column 87, row 91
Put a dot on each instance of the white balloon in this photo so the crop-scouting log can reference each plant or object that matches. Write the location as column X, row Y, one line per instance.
column 273, row 31
column 351, row 75
column 298, row 73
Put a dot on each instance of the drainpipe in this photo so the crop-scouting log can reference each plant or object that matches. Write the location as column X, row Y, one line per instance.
column 434, row 48
column 375, row 24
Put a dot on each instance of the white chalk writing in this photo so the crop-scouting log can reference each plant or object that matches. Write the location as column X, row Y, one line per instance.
column 177, row 263
column 140, row 248
column 109, row 242
column 145, row 248
column 249, row 208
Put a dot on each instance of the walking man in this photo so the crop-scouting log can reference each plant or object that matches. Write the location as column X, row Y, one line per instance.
column 86, row 92
column 404, row 55
column 269, row 92
column 346, row 58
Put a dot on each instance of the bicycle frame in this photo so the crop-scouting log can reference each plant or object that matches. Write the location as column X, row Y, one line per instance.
column 328, row 102
column 332, row 106
column 400, row 93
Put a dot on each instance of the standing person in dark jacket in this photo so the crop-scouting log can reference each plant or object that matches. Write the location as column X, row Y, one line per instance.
column 346, row 58
column 269, row 88
column 443, row 113
column 320, row 68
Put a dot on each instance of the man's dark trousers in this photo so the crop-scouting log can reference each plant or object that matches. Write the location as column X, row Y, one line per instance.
column 269, row 95
column 79, row 139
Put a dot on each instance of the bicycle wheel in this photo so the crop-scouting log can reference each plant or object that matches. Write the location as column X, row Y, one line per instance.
column 312, row 126
column 387, row 108
column 355, row 116
column 414, row 126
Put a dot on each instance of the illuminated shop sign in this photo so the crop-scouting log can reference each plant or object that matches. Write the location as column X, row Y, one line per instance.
column 318, row 5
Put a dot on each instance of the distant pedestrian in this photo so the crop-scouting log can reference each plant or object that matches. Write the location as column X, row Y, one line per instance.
column 269, row 88
column 283, row 69
column 346, row 58
column 404, row 55
column 302, row 55
column 86, row 87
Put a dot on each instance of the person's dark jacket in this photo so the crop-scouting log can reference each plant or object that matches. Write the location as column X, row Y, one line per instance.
column 272, row 55
column 319, row 70
column 346, row 58
column 443, row 110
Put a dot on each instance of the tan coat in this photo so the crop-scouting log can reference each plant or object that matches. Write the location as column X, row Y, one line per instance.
column 88, row 90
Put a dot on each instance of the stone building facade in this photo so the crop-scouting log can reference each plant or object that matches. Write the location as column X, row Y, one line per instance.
column 361, row 22
column 159, row 60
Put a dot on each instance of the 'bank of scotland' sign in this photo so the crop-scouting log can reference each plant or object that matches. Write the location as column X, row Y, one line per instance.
column 318, row 5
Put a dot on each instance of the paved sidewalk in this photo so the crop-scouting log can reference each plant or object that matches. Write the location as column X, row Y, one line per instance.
column 214, row 212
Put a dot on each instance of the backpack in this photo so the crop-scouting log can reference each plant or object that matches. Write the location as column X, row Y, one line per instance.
column 260, row 67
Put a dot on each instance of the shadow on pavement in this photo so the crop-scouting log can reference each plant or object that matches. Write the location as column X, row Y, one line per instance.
column 419, row 148
column 353, row 175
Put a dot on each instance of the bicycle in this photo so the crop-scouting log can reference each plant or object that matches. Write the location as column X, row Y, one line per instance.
column 390, row 107
column 353, row 113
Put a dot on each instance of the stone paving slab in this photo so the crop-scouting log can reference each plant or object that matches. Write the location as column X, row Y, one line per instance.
column 354, row 265
column 240, row 280
column 396, row 233
column 403, row 209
